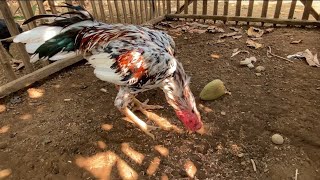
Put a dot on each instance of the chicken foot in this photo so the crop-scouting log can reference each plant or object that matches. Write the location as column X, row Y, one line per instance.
column 144, row 105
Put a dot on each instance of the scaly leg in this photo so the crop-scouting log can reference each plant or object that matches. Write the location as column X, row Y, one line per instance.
column 141, row 124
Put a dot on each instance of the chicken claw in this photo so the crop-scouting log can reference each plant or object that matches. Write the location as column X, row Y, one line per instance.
column 144, row 105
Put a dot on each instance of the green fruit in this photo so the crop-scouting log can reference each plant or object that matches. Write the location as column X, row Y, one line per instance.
column 213, row 90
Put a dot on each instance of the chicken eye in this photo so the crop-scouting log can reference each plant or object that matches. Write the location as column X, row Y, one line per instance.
column 192, row 111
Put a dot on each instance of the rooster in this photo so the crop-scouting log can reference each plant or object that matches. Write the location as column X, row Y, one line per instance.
column 134, row 58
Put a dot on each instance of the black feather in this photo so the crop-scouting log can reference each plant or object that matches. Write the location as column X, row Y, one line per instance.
column 39, row 17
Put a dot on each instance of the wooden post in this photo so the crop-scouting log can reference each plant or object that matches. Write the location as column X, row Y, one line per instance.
column 205, row 7
column 164, row 6
column 81, row 3
column 132, row 19
column 215, row 7
column 292, row 8
column 225, row 8
column 169, row 6
column 136, row 9
column 5, row 62
column 6, row 13
column 27, row 12
column 124, row 11
column 41, row 10
column 159, row 8
column 141, row 11
column 35, row 76
column 264, row 10
column 101, row 9
column 110, row 11
column 117, row 11
column 277, row 11
column 52, row 7
column 307, row 8
column 313, row 12
column 195, row 7
column 94, row 9
column 186, row 2
column 146, row 10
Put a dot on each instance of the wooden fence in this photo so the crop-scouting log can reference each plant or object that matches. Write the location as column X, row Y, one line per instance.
column 137, row 12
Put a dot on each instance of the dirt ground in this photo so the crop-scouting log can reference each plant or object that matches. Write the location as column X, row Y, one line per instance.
column 67, row 128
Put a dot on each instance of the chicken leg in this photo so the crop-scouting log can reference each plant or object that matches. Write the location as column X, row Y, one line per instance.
column 141, row 124
column 143, row 105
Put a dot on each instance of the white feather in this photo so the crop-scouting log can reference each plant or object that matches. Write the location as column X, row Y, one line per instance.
column 32, row 47
column 38, row 34
column 63, row 55
column 102, row 63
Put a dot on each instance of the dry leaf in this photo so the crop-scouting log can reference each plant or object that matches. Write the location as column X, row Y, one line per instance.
column 311, row 59
column 215, row 29
column 251, row 43
column 199, row 31
column 215, row 56
column 228, row 34
column 296, row 42
column 255, row 32
column 235, row 29
column 237, row 37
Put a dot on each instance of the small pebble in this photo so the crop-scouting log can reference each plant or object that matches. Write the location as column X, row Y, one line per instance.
column 318, row 88
column 103, row 90
column 250, row 65
column 277, row 139
column 260, row 69
column 258, row 74
column 185, row 38
column 67, row 100
column 223, row 113
column 240, row 155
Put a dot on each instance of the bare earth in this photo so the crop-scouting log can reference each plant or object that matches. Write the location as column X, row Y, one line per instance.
column 84, row 136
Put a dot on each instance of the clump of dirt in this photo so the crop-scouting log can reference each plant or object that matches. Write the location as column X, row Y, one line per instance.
column 71, row 130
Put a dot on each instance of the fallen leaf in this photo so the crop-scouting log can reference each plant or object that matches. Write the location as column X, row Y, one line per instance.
column 255, row 32
column 296, row 42
column 311, row 59
column 235, row 29
column 237, row 37
column 199, row 31
column 251, row 43
column 215, row 29
column 228, row 34
column 215, row 56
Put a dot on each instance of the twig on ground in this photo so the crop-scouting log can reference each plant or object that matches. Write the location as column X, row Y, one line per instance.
column 270, row 54
column 296, row 176
column 253, row 165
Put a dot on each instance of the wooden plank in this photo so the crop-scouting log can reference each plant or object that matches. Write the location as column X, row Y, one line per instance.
column 250, row 8
column 37, row 75
column 238, row 8
column 124, row 11
column 313, row 12
column 225, row 7
column 142, row 11
column 215, row 7
column 248, row 19
column 136, row 9
column 52, row 7
column 159, row 8
column 154, row 21
column 205, row 7
column 101, row 9
column 278, row 9
column 264, row 8
column 94, row 9
column 152, row 9
column 307, row 8
column 111, row 17
column 146, row 10
column 186, row 7
column 5, row 62
column 27, row 12
column 13, row 29
column 179, row 10
column 178, row 4
column 132, row 19
column 292, row 8
column 116, row 5
column 168, row 6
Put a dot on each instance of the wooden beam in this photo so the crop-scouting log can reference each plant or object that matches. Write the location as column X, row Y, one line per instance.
column 116, row 5
column 179, row 10
column 248, row 19
column 132, row 19
column 136, row 10
column 154, row 21
column 186, row 7
column 52, row 7
column 42, row 10
column 238, row 8
column 205, row 7
column 27, row 12
column 195, row 7
column 250, row 8
column 5, row 62
column 111, row 18
column 37, row 75
column 225, row 7
column 94, row 9
column 264, row 8
column 168, row 6
column 13, row 29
